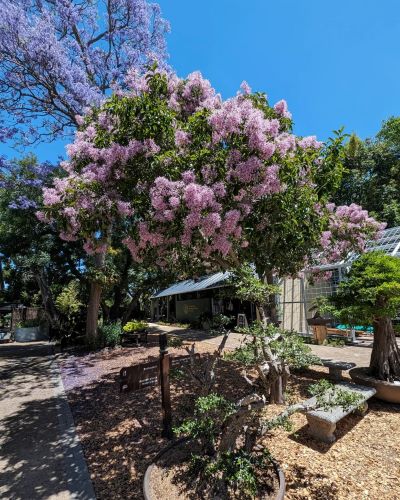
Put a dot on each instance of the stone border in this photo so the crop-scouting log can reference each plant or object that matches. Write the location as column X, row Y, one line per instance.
column 77, row 474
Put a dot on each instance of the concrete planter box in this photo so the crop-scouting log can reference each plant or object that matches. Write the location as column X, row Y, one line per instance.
column 30, row 334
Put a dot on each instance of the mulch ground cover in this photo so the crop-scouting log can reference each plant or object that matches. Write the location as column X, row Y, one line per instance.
column 120, row 432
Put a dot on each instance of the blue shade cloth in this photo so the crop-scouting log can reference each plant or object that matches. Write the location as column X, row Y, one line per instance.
column 369, row 329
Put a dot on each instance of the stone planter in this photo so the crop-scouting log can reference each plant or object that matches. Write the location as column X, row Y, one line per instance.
column 147, row 489
column 386, row 391
column 31, row 334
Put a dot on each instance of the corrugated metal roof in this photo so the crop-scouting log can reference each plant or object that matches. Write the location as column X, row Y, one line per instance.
column 209, row 281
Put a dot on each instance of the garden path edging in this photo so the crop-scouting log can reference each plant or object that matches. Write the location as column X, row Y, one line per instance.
column 79, row 482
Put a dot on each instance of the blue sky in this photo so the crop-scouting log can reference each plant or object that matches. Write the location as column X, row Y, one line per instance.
column 335, row 62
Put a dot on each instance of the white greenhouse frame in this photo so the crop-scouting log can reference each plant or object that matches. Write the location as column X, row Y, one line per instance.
column 298, row 293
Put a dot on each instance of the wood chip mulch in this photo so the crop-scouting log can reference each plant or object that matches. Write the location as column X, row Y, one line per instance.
column 120, row 433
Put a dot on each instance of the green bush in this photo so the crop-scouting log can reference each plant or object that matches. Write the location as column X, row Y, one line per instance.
column 110, row 334
column 135, row 326
column 29, row 323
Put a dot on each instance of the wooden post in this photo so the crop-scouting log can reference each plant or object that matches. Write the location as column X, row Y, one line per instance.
column 320, row 333
column 165, row 387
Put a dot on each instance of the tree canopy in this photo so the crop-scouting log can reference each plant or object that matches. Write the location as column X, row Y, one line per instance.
column 59, row 57
column 371, row 289
column 197, row 181
column 372, row 173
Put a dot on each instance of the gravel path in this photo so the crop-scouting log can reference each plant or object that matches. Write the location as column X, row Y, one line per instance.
column 120, row 433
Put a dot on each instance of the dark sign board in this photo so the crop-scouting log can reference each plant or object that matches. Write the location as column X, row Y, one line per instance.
column 181, row 360
column 133, row 378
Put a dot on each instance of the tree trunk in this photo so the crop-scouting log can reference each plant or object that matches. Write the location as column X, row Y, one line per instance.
column 120, row 290
column 273, row 373
column 272, row 306
column 47, row 298
column 385, row 356
column 94, row 303
column 93, row 312
column 129, row 310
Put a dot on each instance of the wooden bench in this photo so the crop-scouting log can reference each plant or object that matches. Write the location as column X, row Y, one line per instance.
column 337, row 367
column 322, row 423
column 137, row 337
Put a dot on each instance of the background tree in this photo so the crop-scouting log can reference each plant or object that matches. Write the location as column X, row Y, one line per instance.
column 34, row 258
column 59, row 57
column 371, row 295
column 56, row 60
column 372, row 173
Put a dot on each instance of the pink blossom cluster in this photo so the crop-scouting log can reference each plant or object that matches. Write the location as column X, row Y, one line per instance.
column 282, row 109
column 239, row 116
column 350, row 227
column 201, row 207
column 192, row 94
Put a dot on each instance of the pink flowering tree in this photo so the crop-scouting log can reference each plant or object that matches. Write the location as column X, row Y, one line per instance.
column 196, row 182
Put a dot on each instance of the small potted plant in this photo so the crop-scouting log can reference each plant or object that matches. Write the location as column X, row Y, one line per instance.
column 136, row 330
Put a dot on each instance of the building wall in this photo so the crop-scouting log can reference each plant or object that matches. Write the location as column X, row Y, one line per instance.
column 298, row 297
column 292, row 305
column 190, row 310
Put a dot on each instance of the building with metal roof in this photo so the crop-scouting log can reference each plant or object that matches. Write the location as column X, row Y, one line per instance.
column 197, row 300
column 190, row 299
column 205, row 282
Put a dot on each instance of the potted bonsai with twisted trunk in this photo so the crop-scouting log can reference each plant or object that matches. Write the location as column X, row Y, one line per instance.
column 371, row 295
column 272, row 350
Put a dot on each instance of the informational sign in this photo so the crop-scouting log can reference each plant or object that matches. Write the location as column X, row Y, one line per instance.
column 182, row 360
column 154, row 373
column 190, row 308
column 133, row 378
column 136, row 377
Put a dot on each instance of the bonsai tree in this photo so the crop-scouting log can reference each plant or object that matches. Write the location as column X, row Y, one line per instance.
column 273, row 350
column 229, row 461
column 371, row 294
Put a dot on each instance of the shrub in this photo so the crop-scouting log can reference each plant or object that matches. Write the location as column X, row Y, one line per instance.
column 134, row 326
column 110, row 334
column 29, row 323
column 70, row 308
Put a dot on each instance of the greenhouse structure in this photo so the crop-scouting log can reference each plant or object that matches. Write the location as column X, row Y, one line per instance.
column 188, row 300
column 298, row 294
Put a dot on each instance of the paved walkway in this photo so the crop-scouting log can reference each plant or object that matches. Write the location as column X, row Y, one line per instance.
column 354, row 354
column 40, row 457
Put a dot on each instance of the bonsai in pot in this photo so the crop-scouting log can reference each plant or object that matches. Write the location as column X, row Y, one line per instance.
column 371, row 295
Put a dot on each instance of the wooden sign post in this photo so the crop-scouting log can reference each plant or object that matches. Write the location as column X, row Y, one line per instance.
column 165, row 387
column 152, row 374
